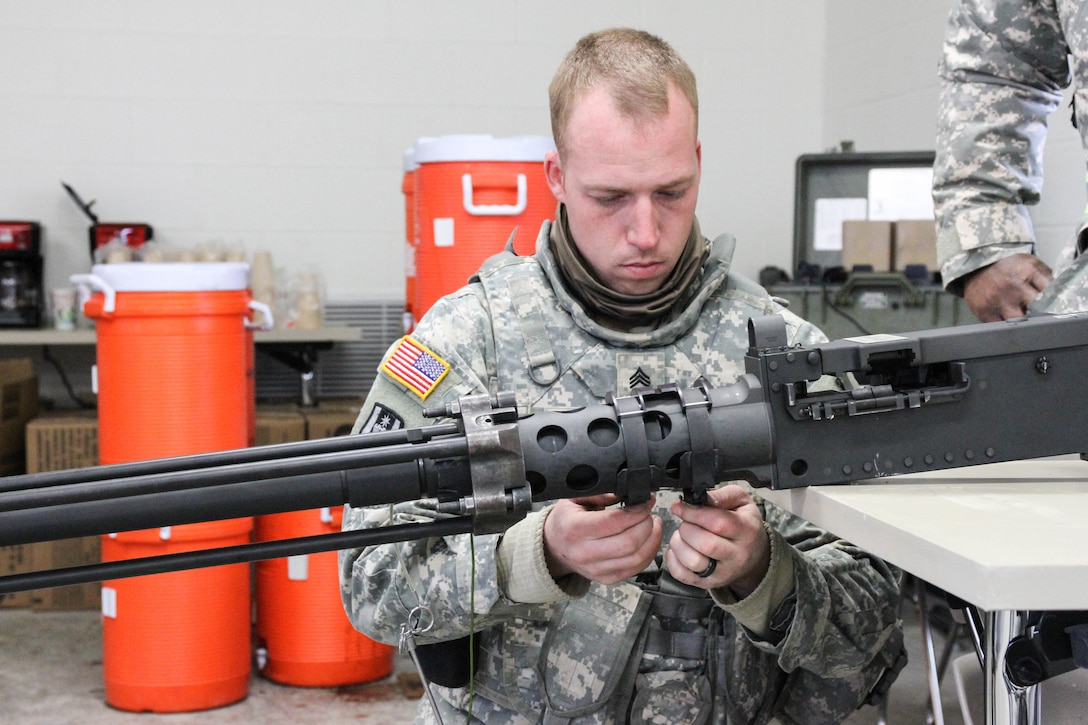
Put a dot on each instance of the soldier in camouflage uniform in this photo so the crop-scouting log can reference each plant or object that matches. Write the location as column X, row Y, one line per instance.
column 585, row 611
column 1005, row 65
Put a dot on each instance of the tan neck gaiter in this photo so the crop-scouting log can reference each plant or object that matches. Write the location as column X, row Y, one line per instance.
column 618, row 310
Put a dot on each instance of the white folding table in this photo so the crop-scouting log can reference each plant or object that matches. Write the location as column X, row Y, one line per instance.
column 1005, row 537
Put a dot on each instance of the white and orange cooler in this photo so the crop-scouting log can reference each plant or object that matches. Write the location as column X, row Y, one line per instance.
column 173, row 377
column 470, row 193
column 305, row 637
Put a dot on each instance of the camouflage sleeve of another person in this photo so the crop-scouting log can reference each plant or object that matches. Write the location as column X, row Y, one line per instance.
column 1003, row 69
column 455, row 577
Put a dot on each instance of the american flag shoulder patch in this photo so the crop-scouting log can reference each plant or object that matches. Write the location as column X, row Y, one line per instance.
column 414, row 366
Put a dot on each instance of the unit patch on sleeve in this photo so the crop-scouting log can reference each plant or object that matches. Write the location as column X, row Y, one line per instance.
column 382, row 419
column 415, row 367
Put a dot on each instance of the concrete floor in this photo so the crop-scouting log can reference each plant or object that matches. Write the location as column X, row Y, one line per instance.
column 51, row 674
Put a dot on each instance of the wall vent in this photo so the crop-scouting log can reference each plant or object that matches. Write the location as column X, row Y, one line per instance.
column 348, row 368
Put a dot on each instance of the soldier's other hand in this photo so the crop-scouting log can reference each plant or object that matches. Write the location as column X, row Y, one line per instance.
column 1004, row 289
column 599, row 540
column 727, row 529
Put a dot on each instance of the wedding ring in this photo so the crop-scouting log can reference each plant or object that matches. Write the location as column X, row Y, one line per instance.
column 709, row 569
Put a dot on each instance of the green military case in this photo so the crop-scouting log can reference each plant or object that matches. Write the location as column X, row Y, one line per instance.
column 847, row 302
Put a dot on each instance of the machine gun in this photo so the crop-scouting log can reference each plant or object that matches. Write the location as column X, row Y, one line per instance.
column 920, row 401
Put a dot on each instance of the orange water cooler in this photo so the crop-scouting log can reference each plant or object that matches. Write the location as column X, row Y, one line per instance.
column 173, row 377
column 305, row 637
column 470, row 193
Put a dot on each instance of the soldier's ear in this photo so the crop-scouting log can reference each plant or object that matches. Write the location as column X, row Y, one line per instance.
column 553, row 175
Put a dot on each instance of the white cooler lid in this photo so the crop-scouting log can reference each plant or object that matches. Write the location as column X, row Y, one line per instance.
column 174, row 276
column 481, row 147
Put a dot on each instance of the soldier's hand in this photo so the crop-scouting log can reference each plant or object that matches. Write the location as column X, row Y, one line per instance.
column 728, row 529
column 1003, row 290
column 600, row 541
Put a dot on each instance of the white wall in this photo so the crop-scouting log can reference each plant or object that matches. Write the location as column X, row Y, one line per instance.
column 882, row 93
column 881, row 73
column 281, row 125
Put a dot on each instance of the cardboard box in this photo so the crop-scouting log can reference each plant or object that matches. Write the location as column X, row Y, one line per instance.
column 17, row 559
column 288, row 422
column 54, row 442
column 327, row 424
column 61, row 555
column 279, row 425
column 23, row 558
column 62, row 440
column 915, row 243
column 342, row 404
column 18, row 405
column 331, row 417
column 867, row 244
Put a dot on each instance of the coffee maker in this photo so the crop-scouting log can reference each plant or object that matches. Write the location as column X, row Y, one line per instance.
column 21, row 294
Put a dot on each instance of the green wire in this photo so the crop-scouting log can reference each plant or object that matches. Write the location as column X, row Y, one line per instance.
column 472, row 630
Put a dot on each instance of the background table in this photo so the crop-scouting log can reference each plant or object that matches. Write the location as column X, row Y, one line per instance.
column 295, row 347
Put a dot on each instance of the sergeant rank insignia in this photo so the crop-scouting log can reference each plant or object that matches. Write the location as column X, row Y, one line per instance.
column 414, row 366
column 639, row 379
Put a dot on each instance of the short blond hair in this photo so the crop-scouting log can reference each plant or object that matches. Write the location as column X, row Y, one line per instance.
column 635, row 65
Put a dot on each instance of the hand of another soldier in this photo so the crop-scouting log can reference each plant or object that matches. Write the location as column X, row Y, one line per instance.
column 1003, row 289
column 727, row 529
column 600, row 541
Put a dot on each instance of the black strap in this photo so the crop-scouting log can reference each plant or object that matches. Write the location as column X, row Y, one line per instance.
column 635, row 483
column 681, row 606
column 685, row 645
column 698, row 467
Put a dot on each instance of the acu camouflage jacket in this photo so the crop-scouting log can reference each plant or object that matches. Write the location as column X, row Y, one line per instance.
column 577, row 657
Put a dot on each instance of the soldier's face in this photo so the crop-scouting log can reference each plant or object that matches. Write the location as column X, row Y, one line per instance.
column 630, row 188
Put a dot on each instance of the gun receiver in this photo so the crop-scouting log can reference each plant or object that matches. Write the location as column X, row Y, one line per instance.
column 921, row 401
column 927, row 400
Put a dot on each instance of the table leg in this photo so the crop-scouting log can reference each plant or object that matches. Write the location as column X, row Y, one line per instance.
column 302, row 358
column 936, row 709
column 306, row 388
column 1006, row 702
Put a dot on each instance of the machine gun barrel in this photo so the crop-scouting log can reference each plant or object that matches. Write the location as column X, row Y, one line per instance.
column 298, row 479
column 398, row 465
column 220, row 458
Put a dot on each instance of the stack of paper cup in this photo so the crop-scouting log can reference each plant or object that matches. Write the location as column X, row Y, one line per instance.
column 262, row 282
column 308, row 301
